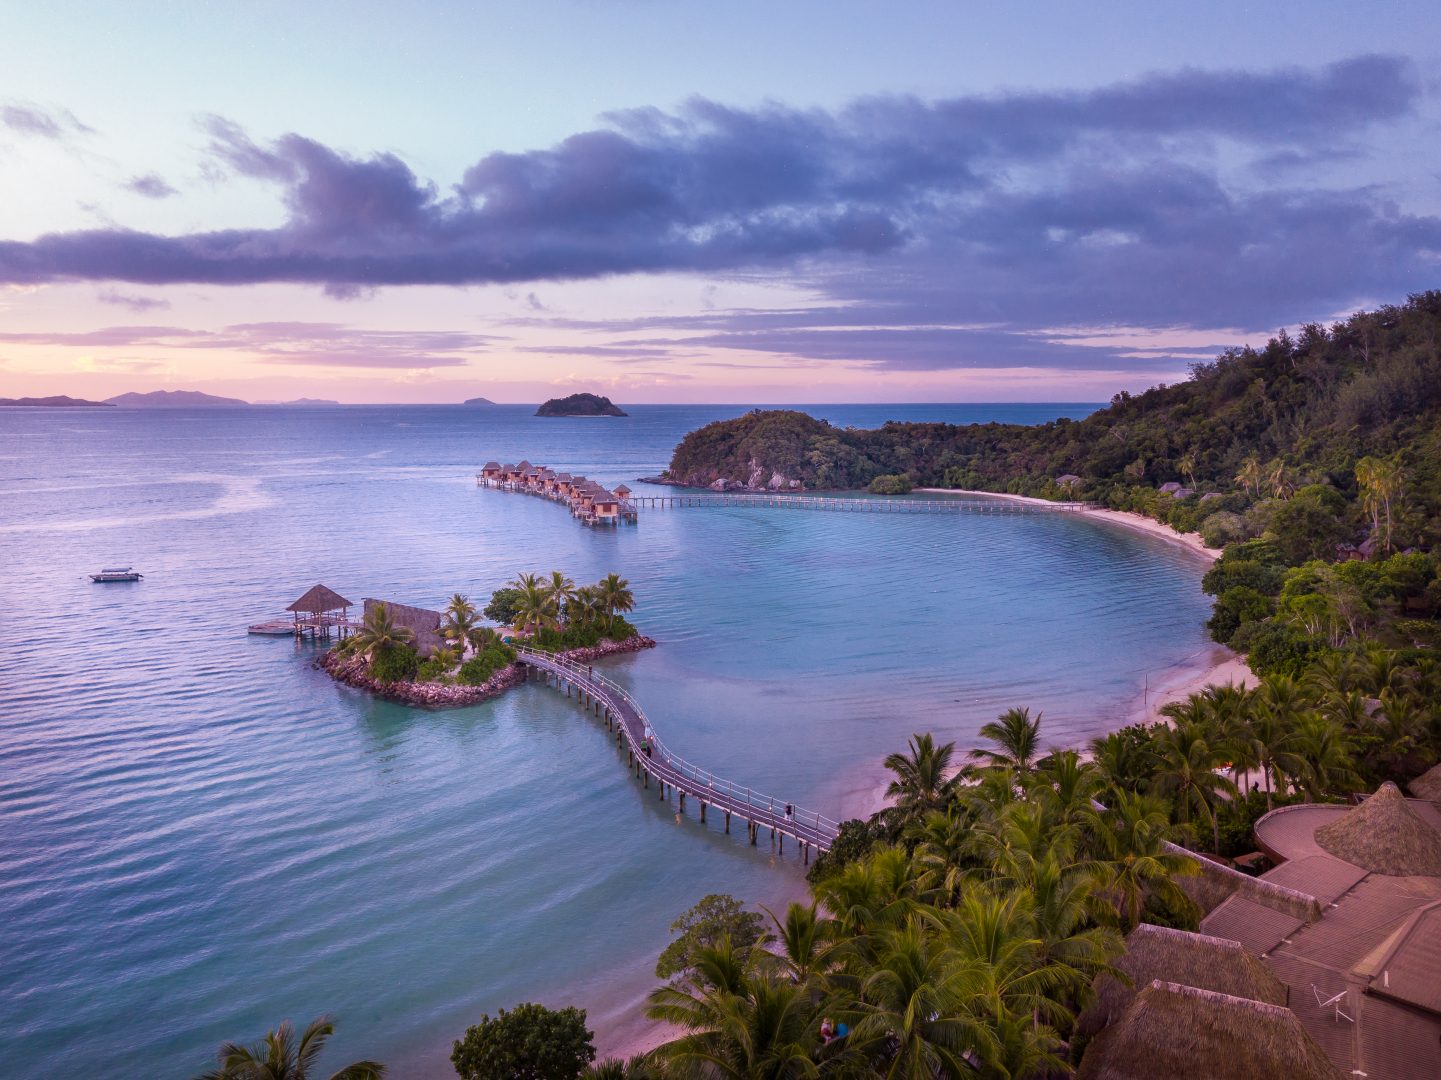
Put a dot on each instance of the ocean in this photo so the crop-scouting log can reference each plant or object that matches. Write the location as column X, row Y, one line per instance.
column 201, row 835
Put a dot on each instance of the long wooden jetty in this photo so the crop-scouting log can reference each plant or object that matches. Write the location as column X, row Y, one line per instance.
column 671, row 772
column 891, row 504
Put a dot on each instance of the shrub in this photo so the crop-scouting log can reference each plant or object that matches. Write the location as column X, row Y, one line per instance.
column 530, row 1042
column 484, row 664
column 1222, row 528
column 891, row 484
column 430, row 671
column 395, row 663
column 1237, row 605
column 504, row 605
column 714, row 917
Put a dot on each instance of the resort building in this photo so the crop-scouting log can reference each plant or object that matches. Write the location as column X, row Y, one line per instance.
column 1351, row 924
column 590, row 502
column 422, row 622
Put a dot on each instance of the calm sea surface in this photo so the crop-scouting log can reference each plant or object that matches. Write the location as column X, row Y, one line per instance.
column 201, row 835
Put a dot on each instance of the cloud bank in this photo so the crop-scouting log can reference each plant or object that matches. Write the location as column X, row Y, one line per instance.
column 1180, row 199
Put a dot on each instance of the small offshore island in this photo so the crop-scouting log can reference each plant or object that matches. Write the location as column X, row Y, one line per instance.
column 449, row 659
column 580, row 405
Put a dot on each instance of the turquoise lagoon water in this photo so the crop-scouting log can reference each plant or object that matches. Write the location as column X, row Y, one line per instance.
column 200, row 834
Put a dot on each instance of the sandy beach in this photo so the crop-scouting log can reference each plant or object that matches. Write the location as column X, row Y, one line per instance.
column 1124, row 518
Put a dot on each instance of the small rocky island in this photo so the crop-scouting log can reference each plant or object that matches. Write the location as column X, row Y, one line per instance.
column 477, row 401
column 580, row 405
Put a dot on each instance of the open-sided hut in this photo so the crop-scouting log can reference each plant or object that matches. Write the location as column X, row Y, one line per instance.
column 1183, row 1033
column 1177, row 956
column 319, row 610
column 1428, row 785
column 1385, row 836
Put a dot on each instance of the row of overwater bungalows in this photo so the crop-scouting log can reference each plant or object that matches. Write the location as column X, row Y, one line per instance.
column 589, row 501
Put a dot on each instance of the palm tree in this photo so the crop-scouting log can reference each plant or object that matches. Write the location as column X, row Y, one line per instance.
column 460, row 621
column 1122, row 761
column 379, row 632
column 280, row 1057
column 739, row 1025
column 1325, row 757
column 911, row 1011
column 1019, row 738
column 584, row 606
column 482, row 638
column 1382, row 483
column 1137, row 862
column 615, row 595
column 1187, row 465
column 534, row 611
column 1251, row 476
column 805, row 943
column 1185, row 769
column 923, row 781
column 446, row 658
column 1279, row 704
column 560, row 590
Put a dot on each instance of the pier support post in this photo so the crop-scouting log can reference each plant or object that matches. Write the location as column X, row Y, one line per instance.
column 728, row 822
column 782, row 846
column 646, row 775
column 682, row 802
column 702, row 813
column 806, row 852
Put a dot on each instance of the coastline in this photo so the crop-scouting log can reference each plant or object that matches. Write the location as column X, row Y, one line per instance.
column 1213, row 665
column 1125, row 518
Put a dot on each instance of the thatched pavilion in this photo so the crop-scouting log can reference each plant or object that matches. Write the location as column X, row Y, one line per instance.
column 1427, row 785
column 1385, row 836
column 316, row 611
column 1178, row 956
column 1181, row 1032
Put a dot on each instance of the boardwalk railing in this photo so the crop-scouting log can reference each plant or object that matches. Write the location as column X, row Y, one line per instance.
column 901, row 504
column 810, row 828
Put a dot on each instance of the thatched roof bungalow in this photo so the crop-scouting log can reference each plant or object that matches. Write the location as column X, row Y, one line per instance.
column 1177, row 956
column 318, row 600
column 1385, row 836
column 1181, row 1032
column 1427, row 785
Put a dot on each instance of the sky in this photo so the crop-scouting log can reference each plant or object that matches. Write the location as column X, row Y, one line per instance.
column 794, row 201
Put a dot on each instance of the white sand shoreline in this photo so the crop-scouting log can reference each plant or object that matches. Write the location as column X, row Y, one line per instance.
column 1125, row 518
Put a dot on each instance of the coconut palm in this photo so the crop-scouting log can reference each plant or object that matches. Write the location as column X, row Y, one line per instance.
column 446, row 658
column 1280, row 702
column 911, row 1011
column 482, row 638
column 1382, row 483
column 460, row 621
column 585, row 606
column 280, row 1056
column 1251, row 475
column 738, row 1024
column 1325, row 757
column 1186, row 771
column 1123, row 762
column 560, row 590
column 923, row 777
column 1019, row 737
column 534, row 611
column 378, row 632
column 1137, row 864
column 803, row 943
column 615, row 595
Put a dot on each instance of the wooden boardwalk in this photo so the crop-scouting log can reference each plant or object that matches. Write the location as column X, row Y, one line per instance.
column 674, row 775
column 890, row 504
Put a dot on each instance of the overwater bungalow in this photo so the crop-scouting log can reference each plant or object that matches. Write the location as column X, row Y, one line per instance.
column 589, row 501
column 320, row 611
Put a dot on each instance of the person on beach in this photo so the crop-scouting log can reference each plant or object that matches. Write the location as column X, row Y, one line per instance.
column 828, row 1031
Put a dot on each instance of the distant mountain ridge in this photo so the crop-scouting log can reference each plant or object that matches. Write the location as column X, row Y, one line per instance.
column 172, row 399
column 580, row 405
column 57, row 401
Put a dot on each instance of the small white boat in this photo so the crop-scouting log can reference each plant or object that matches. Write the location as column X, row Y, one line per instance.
column 274, row 629
column 117, row 573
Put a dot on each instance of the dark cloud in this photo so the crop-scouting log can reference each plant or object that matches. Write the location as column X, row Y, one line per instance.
column 151, row 185
column 312, row 344
column 940, row 232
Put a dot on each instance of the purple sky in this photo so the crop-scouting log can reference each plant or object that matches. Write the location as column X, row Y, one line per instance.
column 880, row 233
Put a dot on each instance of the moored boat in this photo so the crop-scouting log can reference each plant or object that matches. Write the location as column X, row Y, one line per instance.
column 117, row 573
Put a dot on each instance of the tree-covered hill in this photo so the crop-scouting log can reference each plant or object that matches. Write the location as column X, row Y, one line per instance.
column 1315, row 461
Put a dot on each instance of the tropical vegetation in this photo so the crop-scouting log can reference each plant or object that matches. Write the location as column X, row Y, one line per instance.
column 281, row 1055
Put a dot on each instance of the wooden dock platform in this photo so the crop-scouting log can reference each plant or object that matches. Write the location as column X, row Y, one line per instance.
column 672, row 773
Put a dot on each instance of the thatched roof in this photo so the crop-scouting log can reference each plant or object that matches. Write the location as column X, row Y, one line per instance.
column 1180, row 1032
column 320, row 599
column 621, row 489
column 1385, row 836
column 1176, row 956
column 1428, row 784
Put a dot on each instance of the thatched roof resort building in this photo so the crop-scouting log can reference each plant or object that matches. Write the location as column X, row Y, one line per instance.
column 589, row 502
column 1349, row 921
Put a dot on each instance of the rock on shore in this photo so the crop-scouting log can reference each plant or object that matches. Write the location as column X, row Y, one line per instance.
column 353, row 672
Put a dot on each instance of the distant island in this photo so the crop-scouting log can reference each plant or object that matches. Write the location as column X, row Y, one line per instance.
column 300, row 401
column 171, row 399
column 580, row 405
column 59, row 401
column 478, row 401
